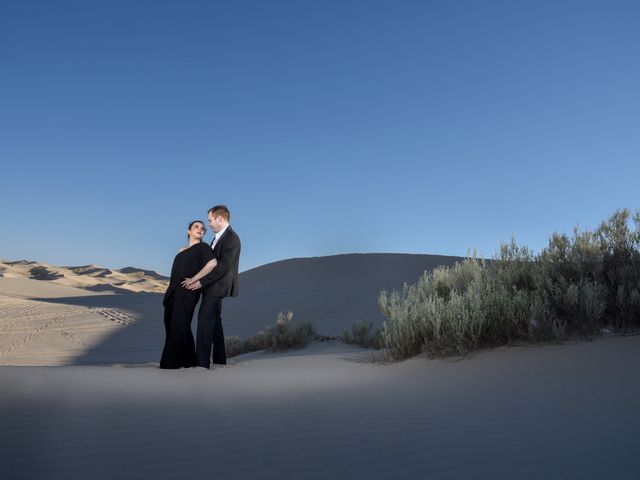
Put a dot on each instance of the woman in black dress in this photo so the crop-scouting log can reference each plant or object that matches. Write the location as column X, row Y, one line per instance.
column 180, row 303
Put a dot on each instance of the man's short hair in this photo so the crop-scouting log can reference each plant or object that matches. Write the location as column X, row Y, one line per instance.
column 221, row 210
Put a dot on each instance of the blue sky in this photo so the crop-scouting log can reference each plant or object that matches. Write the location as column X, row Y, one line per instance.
column 327, row 127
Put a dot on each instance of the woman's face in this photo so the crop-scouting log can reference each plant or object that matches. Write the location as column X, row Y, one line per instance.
column 197, row 231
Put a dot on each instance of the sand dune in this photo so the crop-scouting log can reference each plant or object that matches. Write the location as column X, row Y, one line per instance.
column 90, row 277
column 333, row 292
column 102, row 409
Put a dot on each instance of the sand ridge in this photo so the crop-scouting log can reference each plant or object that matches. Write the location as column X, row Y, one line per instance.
column 90, row 277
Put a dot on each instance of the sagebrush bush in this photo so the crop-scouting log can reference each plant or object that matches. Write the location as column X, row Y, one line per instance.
column 364, row 334
column 576, row 286
column 442, row 313
column 288, row 334
column 236, row 346
column 284, row 335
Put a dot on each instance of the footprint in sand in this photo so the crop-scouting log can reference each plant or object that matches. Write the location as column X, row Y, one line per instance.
column 114, row 315
column 11, row 312
column 31, row 335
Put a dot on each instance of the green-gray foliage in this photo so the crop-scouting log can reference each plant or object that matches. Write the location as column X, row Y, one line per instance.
column 236, row 346
column 576, row 286
column 364, row 334
column 284, row 335
column 288, row 334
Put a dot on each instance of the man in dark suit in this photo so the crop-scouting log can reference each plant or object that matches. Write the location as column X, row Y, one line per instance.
column 221, row 282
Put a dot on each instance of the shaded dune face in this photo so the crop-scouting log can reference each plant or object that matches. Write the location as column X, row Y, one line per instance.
column 91, row 270
column 43, row 273
column 333, row 292
column 141, row 272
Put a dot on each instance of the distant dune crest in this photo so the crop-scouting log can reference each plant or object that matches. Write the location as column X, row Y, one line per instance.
column 89, row 277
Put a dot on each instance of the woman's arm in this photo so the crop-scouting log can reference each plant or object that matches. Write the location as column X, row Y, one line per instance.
column 210, row 265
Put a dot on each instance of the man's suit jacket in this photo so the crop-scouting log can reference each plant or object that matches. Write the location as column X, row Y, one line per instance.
column 222, row 281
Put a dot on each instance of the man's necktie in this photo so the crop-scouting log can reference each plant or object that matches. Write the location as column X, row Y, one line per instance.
column 214, row 239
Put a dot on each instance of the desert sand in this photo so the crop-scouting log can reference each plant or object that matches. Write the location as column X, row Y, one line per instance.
column 327, row 412
column 82, row 397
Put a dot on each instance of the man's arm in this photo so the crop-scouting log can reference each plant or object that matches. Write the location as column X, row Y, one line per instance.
column 229, row 255
column 211, row 264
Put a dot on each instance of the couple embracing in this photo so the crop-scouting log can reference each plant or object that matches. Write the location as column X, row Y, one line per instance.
column 200, row 271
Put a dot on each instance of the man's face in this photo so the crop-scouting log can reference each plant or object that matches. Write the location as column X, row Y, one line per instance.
column 215, row 222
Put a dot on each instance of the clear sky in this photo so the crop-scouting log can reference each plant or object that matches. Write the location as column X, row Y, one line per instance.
column 327, row 126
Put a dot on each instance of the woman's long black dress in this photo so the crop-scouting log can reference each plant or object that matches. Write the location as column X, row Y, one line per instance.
column 179, row 305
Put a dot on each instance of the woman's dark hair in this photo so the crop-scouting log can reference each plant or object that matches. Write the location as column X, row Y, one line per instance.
column 191, row 225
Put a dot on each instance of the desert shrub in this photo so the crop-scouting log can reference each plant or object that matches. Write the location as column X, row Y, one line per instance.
column 362, row 333
column 594, row 277
column 284, row 335
column 518, row 299
column 576, row 286
column 255, row 343
column 233, row 346
column 236, row 346
column 620, row 273
column 288, row 334
column 441, row 314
